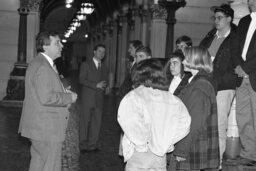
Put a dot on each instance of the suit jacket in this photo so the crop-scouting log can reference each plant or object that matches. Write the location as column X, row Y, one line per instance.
column 249, row 66
column 89, row 76
column 183, row 83
column 45, row 113
column 223, row 65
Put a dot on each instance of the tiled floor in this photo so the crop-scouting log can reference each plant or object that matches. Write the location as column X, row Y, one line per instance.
column 14, row 150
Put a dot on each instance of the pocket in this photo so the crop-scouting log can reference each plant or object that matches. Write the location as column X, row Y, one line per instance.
column 49, row 114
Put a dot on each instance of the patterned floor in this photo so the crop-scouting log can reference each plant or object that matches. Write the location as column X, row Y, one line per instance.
column 14, row 150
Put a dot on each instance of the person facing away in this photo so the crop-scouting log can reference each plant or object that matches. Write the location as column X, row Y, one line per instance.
column 152, row 119
column 219, row 44
column 45, row 112
column 93, row 77
column 199, row 150
column 244, row 53
column 126, row 85
column 142, row 53
column 182, row 42
column 175, row 72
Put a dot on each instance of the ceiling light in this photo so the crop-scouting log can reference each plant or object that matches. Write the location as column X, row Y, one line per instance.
column 68, row 5
column 87, row 8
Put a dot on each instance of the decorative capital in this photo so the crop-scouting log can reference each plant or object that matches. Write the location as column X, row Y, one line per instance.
column 34, row 5
column 158, row 12
column 23, row 11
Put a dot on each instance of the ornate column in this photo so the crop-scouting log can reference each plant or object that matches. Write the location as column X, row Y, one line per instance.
column 158, row 31
column 171, row 6
column 145, row 27
column 123, row 50
column 137, row 23
column 15, row 86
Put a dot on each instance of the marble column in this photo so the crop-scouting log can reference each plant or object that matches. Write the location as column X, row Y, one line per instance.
column 145, row 27
column 158, row 31
column 123, row 49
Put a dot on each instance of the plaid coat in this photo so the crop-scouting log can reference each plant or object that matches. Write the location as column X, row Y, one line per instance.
column 201, row 146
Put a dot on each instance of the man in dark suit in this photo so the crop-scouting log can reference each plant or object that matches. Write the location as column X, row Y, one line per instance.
column 93, row 78
column 244, row 53
column 45, row 109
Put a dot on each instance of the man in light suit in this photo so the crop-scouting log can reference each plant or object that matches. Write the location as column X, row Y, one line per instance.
column 45, row 109
column 244, row 53
column 94, row 80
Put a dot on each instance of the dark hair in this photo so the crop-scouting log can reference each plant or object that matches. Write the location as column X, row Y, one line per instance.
column 225, row 9
column 184, row 39
column 136, row 43
column 145, row 50
column 99, row 45
column 43, row 38
column 176, row 54
column 150, row 73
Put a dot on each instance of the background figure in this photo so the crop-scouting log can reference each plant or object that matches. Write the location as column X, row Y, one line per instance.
column 152, row 119
column 182, row 42
column 142, row 53
column 126, row 85
column 45, row 109
column 200, row 148
column 218, row 42
column 244, row 53
column 93, row 78
column 175, row 72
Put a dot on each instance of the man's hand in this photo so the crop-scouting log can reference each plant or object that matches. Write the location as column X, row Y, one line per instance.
column 240, row 72
column 73, row 95
column 102, row 85
column 180, row 158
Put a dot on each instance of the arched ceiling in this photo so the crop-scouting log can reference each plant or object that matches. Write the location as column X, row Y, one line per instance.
column 55, row 16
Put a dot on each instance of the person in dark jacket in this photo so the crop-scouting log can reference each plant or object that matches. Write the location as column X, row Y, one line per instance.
column 199, row 150
column 219, row 43
column 126, row 85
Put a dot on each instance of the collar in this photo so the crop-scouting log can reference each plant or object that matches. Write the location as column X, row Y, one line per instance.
column 96, row 60
column 220, row 36
column 253, row 15
column 177, row 78
column 49, row 59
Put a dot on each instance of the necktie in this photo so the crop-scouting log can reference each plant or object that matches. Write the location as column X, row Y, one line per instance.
column 99, row 65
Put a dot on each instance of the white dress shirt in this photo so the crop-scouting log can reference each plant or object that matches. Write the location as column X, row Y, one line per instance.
column 152, row 120
column 49, row 59
column 249, row 35
column 97, row 63
column 174, row 84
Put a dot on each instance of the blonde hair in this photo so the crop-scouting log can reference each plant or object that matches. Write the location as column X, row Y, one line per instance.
column 198, row 58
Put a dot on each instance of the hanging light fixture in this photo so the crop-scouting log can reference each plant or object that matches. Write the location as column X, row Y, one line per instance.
column 80, row 16
column 87, row 8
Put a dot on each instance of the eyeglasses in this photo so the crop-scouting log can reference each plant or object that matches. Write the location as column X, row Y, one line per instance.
column 217, row 18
